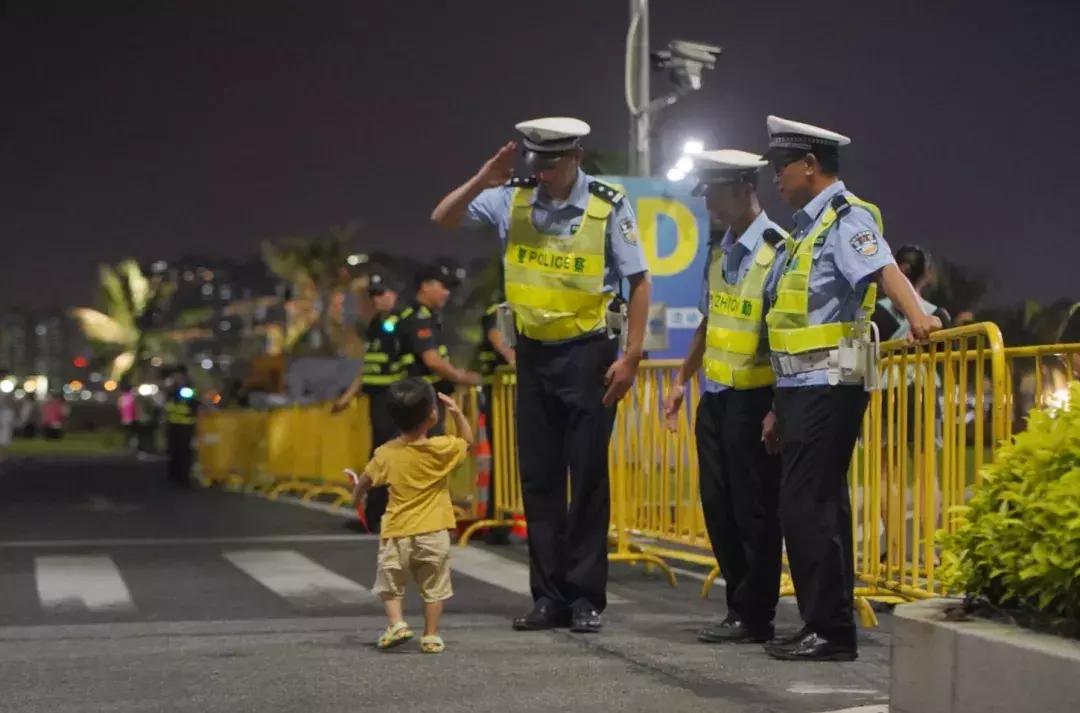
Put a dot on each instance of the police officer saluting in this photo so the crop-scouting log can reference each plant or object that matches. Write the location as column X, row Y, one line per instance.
column 737, row 444
column 821, row 296
column 568, row 242
column 381, row 368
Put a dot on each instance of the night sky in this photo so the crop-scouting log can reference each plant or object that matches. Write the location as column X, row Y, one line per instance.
column 154, row 129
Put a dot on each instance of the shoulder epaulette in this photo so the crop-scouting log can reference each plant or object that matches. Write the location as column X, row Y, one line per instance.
column 406, row 313
column 773, row 237
column 522, row 182
column 608, row 192
column 840, row 204
column 423, row 312
column 493, row 308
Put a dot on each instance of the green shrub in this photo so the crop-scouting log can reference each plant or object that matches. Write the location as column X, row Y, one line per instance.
column 1018, row 543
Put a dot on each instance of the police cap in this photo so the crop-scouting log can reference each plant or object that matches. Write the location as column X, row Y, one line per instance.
column 548, row 139
column 442, row 273
column 725, row 166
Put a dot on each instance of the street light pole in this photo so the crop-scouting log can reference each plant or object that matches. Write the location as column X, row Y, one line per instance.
column 637, row 86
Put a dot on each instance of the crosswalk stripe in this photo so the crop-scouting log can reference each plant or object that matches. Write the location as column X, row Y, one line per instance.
column 293, row 576
column 499, row 571
column 81, row 582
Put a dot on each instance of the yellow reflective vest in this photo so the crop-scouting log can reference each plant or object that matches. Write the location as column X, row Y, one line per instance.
column 732, row 354
column 555, row 283
column 790, row 331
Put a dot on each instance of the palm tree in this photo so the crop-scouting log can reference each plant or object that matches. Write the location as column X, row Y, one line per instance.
column 317, row 270
column 126, row 330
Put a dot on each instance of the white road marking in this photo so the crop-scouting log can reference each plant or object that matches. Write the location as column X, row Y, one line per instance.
column 493, row 569
column 89, row 582
column 814, row 689
column 879, row 708
column 164, row 541
column 293, row 576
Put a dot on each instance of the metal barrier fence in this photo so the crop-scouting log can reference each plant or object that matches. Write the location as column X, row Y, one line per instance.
column 304, row 450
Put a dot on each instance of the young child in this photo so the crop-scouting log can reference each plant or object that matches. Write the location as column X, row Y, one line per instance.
column 415, row 537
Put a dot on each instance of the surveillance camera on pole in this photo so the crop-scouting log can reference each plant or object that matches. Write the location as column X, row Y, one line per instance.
column 686, row 61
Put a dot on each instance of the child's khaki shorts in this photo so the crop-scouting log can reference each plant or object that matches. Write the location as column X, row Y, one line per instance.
column 426, row 556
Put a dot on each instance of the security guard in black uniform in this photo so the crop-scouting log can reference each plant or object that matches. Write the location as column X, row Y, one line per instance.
column 382, row 367
column 737, row 443
column 423, row 349
column 494, row 352
column 181, row 413
column 569, row 240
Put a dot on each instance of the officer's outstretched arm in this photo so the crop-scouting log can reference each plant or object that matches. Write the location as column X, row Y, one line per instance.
column 673, row 399
column 346, row 398
column 898, row 288
column 496, row 171
column 507, row 352
column 437, row 365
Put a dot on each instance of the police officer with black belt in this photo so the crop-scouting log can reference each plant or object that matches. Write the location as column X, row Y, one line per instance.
column 381, row 368
column 495, row 351
column 423, row 348
column 820, row 299
column 737, row 442
column 568, row 242
column 181, row 415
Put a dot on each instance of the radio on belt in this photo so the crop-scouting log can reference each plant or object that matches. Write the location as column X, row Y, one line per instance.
column 616, row 321
column 855, row 360
column 504, row 322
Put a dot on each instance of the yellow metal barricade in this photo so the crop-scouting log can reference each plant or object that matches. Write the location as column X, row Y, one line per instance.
column 503, row 434
column 463, row 479
column 939, row 417
column 1039, row 376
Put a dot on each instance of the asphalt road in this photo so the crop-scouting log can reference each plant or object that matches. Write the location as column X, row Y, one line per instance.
column 121, row 594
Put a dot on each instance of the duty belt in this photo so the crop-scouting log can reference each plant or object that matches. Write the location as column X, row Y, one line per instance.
column 794, row 364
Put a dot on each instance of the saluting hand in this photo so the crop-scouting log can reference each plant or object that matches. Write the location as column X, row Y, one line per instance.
column 673, row 402
column 499, row 168
column 619, row 378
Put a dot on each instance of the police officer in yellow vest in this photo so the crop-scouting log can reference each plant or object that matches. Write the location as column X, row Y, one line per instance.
column 737, row 443
column 381, row 368
column 569, row 240
column 820, row 298
column 181, row 415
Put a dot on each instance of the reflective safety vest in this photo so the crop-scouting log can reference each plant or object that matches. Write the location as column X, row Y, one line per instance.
column 180, row 412
column 382, row 365
column 790, row 331
column 556, row 283
column 411, row 364
column 732, row 356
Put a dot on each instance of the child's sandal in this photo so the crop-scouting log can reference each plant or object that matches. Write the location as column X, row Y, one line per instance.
column 394, row 635
column 432, row 644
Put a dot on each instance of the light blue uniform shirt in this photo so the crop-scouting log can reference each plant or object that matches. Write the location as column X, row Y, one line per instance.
column 623, row 254
column 740, row 256
column 853, row 252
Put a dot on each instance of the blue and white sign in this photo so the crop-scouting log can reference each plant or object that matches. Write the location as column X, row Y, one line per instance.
column 674, row 227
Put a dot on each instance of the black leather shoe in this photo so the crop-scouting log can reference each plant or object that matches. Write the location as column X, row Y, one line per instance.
column 790, row 639
column 544, row 615
column 813, row 647
column 585, row 619
column 735, row 631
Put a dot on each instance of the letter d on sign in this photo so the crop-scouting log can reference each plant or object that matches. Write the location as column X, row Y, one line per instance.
column 682, row 220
